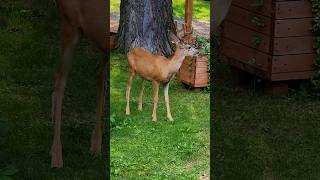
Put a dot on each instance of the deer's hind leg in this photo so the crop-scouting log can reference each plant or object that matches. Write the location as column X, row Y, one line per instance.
column 141, row 95
column 155, row 100
column 166, row 98
column 69, row 39
column 96, row 137
column 130, row 77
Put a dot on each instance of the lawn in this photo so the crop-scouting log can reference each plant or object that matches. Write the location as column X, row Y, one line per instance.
column 201, row 9
column 262, row 137
column 28, row 60
column 161, row 150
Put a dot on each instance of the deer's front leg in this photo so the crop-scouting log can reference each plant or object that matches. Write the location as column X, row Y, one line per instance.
column 155, row 100
column 131, row 74
column 141, row 95
column 96, row 137
column 166, row 97
column 69, row 39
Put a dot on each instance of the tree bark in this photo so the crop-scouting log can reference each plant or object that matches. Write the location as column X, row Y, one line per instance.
column 146, row 24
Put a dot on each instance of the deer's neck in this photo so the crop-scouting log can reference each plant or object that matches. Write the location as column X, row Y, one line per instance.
column 176, row 60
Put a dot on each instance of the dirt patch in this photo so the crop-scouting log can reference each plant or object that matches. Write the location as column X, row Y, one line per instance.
column 200, row 28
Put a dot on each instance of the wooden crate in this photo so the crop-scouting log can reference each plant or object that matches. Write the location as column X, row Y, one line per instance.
column 273, row 41
column 194, row 71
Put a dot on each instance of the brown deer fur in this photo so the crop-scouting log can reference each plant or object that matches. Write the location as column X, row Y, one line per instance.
column 78, row 17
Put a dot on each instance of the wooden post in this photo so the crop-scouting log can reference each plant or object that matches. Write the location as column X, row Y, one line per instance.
column 188, row 17
column 277, row 88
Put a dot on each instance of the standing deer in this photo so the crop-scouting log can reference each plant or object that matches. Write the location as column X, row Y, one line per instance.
column 78, row 17
column 157, row 69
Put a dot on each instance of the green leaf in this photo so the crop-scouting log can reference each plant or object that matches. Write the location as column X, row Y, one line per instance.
column 8, row 171
column 2, row 177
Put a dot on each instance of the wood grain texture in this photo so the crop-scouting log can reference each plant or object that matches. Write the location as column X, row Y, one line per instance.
column 293, row 9
column 285, row 49
column 293, row 45
column 246, row 55
column 194, row 71
column 293, row 27
column 246, row 37
column 266, row 9
column 293, row 63
column 244, row 17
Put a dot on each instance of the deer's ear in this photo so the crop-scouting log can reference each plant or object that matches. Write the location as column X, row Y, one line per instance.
column 173, row 38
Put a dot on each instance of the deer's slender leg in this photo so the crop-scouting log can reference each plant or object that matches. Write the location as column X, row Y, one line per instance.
column 141, row 95
column 131, row 74
column 69, row 39
column 155, row 100
column 166, row 98
column 96, row 137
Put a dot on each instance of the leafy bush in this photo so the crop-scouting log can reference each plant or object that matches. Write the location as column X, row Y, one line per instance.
column 7, row 172
column 316, row 28
column 203, row 45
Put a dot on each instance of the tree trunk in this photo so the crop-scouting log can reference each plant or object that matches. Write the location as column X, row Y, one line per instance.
column 147, row 24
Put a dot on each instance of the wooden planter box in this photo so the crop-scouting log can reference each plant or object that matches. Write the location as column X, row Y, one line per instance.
column 273, row 41
column 194, row 71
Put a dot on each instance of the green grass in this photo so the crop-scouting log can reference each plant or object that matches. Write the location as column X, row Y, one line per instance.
column 161, row 150
column 28, row 60
column 115, row 6
column 201, row 9
column 262, row 137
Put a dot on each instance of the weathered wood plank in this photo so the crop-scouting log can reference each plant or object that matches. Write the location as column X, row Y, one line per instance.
column 293, row 63
column 266, row 9
column 245, row 18
column 246, row 55
column 293, row 9
column 286, row 48
column 293, row 45
column 247, row 37
column 291, row 76
column 293, row 27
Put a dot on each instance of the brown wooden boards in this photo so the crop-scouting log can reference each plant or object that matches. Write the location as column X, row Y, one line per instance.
column 272, row 40
column 194, row 71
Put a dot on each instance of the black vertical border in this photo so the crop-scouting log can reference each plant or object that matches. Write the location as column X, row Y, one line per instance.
column 107, row 98
column 213, row 135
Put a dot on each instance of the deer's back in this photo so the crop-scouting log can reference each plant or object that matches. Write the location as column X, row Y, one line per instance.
column 147, row 65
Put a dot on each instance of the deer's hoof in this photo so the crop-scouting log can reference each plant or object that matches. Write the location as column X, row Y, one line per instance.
column 127, row 112
column 56, row 156
column 140, row 108
column 170, row 119
column 169, row 116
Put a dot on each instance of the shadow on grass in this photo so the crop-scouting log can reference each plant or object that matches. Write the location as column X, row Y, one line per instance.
column 262, row 137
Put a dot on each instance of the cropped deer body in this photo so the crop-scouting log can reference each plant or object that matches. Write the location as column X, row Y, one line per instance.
column 78, row 17
column 157, row 69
